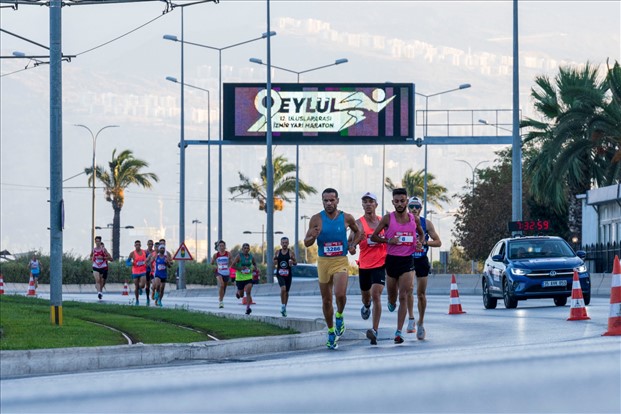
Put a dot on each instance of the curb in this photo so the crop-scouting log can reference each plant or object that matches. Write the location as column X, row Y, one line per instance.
column 15, row 364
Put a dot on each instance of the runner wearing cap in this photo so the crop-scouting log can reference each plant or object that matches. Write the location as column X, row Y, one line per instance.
column 401, row 238
column 421, row 268
column 372, row 273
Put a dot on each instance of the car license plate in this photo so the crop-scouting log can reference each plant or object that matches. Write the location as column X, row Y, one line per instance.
column 552, row 283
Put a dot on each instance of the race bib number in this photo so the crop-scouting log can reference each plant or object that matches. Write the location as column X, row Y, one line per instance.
column 99, row 260
column 405, row 238
column 333, row 249
column 161, row 267
column 140, row 263
column 371, row 243
column 245, row 270
column 283, row 272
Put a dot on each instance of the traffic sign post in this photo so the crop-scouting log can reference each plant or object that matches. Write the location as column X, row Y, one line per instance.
column 183, row 253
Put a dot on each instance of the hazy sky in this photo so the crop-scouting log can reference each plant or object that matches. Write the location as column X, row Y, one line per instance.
column 436, row 45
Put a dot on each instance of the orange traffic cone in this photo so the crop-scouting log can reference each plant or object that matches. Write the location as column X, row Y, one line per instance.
column 245, row 301
column 614, row 317
column 31, row 287
column 578, row 310
column 125, row 290
column 1, row 285
column 455, row 306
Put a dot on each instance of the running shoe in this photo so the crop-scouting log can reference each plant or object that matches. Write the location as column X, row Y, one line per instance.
column 420, row 335
column 137, row 303
column 331, row 344
column 159, row 303
column 283, row 311
column 340, row 328
column 248, row 311
column 140, row 292
column 398, row 337
column 157, row 296
column 148, row 301
column 365, row 312
column 99, row 296
column 237, row 295
column 372, row 336
column 411, row 328
column 391, row 307
column 221, row 305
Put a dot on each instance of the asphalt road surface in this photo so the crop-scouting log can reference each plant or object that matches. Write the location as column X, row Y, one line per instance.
column 524, row 360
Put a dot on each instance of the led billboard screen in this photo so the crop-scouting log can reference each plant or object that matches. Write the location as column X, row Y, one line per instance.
column 313, row 113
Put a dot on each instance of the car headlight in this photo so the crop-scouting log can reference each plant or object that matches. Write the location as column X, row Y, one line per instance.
column 519, row 272
column 581, row 269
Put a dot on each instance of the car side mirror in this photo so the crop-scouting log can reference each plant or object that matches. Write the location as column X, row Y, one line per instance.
column 497, row 257
column 581, row 254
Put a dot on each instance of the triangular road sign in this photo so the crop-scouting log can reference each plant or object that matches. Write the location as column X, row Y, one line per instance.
column 182, row 253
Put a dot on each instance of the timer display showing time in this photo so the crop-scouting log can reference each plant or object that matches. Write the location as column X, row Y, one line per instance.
column 530, row 225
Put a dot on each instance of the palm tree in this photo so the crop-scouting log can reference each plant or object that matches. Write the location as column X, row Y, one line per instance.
column 573, row 149
column 284, row 185
column 124, row 171
column 414, row 183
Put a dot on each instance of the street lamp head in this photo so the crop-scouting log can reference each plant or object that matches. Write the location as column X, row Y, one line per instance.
column 464, row 86
column 483, row 121
column 171, row 37
column 278, row 232
column 129, row 227
column 339, row 61
column 172, row 79
column 256, row 60
column 17, row 53
column 272, row 33
column 247, row 232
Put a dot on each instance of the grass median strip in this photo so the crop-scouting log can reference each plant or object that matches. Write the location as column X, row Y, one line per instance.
column 25, row 324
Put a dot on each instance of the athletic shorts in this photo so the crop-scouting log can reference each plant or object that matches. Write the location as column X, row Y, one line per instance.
column 398, row 265
column 284, row 281
column 368, row 277
column 421, row 266
column 161, row 278
column 242, row 284
column 329, row 266
column 102, row 272
column 225, row 279
column 138, row 275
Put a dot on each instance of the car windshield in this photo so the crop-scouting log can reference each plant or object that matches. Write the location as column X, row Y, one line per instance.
column 534, row 249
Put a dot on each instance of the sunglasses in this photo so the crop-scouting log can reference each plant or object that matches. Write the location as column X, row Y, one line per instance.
column 414, row 206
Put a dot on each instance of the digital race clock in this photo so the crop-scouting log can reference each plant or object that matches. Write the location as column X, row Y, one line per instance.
column 530, row 225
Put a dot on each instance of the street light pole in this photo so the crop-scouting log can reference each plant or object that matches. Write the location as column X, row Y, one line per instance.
column 219, row 50
column 305, row 218
column 473, row 171
column 297, row 146
column 173, row 79
column 196, row 222
column 94, row 177
column 425, row 134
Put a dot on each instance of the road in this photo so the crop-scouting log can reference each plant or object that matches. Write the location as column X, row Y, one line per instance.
column 529, row 359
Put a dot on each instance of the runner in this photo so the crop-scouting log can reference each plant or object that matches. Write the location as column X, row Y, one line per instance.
column 150, row 252
column 222, row 259
column 329, row 229
column 242, row 263
column 138, row 260
column 34, row 266
column 161, row 264
column 421, row 268
column 283, row 260
column 105, row 279
column 100, row 257
column 151, row 265
column 372, row 272
column 401, row 237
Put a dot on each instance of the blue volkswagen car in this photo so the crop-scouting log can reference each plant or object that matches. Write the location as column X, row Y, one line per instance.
column 538, row 267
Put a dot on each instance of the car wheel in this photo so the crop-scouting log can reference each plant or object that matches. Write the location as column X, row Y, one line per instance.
column 488, row 301
column 510, row 301
column 560, row 301
column 587, row 298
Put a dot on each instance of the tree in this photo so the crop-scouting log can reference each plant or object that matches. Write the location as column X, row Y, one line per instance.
column 414, row 183
column 575, row 141
column 284, row 185
column 124, row 170
column 483, row 216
